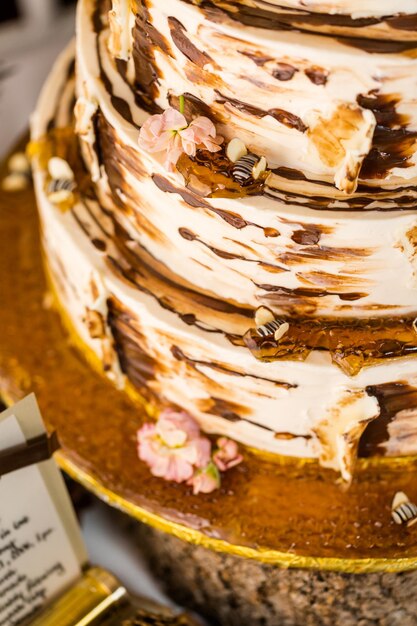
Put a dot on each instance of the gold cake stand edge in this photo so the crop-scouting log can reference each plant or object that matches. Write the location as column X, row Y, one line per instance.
column 193, row 536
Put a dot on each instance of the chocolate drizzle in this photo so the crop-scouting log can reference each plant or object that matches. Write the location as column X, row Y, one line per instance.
column 221, row 367
column 343, row 25
column 283, row 117
column 189, row 50
column 308, row 236
column 192, row 199
column 135, row 361
column 393, row 143
column 403, row 22
column 392, row 398
column 120, row 105
column 223, row 254
column 379, row 46
column 281, row 20
column 146, row 40
column 284, row 71
column 317, row 75
column 282, row 295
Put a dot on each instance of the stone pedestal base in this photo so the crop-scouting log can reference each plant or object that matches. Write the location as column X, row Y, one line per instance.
column 232, row 591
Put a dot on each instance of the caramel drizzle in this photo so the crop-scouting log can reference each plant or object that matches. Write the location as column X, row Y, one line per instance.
column 352, row 343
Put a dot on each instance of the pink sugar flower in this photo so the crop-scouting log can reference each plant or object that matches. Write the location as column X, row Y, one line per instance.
column 206, row 480
column 173, row 448
column 162, row 462
column 169, row 135
column 227, row 454
column 201, row 132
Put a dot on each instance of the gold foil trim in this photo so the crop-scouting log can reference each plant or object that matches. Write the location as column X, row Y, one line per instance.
column 190, row 535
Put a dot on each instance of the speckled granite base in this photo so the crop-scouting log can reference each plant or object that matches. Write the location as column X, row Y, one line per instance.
column 231, row 591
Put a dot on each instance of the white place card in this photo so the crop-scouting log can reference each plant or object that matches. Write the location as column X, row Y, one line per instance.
column 41, row 549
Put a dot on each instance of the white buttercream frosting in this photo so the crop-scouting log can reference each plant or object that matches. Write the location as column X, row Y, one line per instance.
column 121, row 22
column 285, row 407
column 341, row 428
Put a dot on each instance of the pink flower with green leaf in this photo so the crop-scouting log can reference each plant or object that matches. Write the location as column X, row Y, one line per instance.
column 169, row 135
column 205, row 480
column 174, row 449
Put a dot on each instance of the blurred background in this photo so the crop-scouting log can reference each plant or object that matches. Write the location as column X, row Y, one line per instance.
column 32, row 32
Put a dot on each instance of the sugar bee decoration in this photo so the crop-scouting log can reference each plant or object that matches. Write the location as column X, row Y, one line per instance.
column 61, row 186
column 268, row 326
column 265, row 338
column 247, row 167
column 20, row 174
column 403, row 511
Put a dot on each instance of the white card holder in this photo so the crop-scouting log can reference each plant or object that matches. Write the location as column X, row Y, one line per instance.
column 41, row 549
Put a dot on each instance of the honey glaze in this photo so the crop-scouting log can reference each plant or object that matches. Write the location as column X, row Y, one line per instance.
column 351, row 343
column 211, row 175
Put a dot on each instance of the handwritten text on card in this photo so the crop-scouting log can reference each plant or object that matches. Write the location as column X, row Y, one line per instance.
column 36, row 557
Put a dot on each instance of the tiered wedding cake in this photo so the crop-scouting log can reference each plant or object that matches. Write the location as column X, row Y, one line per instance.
column 255, row 263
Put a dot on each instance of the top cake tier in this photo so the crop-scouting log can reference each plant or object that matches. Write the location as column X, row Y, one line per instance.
column 337, row 110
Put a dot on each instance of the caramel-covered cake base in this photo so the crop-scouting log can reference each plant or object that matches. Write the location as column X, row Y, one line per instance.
column 290, row 513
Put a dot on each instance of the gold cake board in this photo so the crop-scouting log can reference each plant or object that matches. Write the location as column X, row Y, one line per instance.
column 287, row 513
